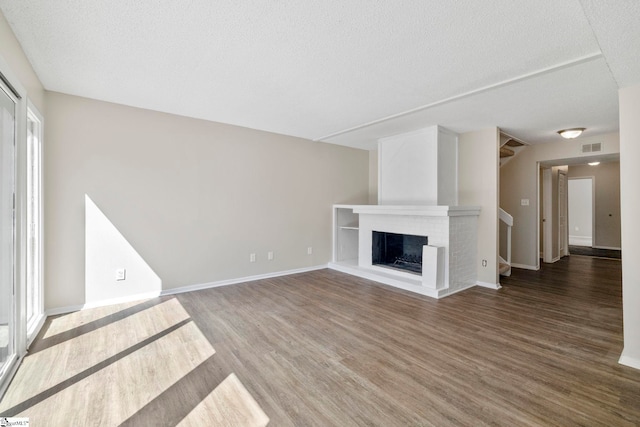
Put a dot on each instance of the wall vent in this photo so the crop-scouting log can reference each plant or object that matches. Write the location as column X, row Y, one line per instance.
column 591, row 148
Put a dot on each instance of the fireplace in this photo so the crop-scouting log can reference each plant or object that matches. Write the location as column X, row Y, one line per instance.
column 398, row 251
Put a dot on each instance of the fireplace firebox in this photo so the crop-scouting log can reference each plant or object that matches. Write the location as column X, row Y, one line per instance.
column 398, row 251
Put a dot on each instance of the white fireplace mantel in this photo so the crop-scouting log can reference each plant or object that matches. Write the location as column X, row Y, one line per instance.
column 417, row 210
column 451, row 231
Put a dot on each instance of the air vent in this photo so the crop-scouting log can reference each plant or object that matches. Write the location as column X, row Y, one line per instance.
column 591, row 148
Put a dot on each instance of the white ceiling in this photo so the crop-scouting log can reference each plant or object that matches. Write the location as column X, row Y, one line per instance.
column 346, row 72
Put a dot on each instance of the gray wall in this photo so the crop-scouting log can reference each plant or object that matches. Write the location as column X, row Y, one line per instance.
column 187, row 199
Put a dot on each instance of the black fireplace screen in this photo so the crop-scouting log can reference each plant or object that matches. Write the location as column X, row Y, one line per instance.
column 401, row 251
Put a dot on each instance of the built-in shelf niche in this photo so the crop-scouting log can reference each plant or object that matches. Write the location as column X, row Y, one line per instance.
column 346, row 226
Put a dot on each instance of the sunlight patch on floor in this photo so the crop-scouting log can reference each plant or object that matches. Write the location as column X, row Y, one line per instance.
column 228, row 404
column 132, row 361
column 67, row 322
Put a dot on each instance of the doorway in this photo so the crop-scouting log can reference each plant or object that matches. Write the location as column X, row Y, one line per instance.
column 581, row 211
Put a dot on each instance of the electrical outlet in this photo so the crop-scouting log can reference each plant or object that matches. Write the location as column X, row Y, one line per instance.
column 310, row 250
column 121, row 274
column 252, row 257
column 270, row 255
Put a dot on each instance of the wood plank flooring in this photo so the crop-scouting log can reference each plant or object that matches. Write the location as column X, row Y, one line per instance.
column 328, row 349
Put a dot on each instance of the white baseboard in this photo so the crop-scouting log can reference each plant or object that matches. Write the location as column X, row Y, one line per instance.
column 580, row 240
column 442, row 295
column 607, row 247
column 626, row 360
column 63, row 310
column 192, row 288
column 525, row 267
column 180, row 290
column 489, row 285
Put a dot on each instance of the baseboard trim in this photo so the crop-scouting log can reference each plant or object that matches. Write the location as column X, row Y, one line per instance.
column 525, row 266
column 580, row 240
column 63, row 310
column 190, row 288
column 632, row 362
column 611, row 248
column 217, row 284
column 489, row 285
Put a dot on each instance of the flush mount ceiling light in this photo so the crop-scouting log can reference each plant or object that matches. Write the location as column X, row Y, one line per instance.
column 593, row 163
column 571, row 133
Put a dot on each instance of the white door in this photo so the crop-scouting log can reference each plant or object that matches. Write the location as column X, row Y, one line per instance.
column 547, row 217
column 580, row 222
column 7, row 229
column 563, row 231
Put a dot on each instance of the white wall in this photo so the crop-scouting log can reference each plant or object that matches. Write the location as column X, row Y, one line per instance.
column 630, row 204
column 418, row 168
column 191, row 198
column 478, row 164
column 408, row 173
column 518, row 180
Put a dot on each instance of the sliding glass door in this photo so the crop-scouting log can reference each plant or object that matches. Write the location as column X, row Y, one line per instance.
column 7, row 228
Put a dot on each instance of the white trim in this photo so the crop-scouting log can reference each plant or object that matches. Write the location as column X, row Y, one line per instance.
column 611, row 248
column 507, row 82
column 446, row 294
column 63, row 310
column 489, row 285
column 18, row 310
column 525, row 267
column 547, row 217
column 191, row 288
column 632, row 362
column 35, row 330
column 392, row 280
column 183, row 289
column 581, row 240
column 13, row 366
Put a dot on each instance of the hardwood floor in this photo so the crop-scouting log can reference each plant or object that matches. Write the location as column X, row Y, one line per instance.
column 328, row 349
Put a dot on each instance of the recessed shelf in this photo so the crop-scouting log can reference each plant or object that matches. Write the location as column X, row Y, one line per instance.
column 349, row 227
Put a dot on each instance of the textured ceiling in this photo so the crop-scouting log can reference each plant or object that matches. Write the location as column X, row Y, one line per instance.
column 346, row 72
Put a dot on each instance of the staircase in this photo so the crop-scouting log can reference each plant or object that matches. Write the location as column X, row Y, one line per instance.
column 509, row 147
column 506, row 223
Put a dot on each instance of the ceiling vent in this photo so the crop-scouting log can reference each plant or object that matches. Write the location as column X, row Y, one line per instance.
column 596, row 147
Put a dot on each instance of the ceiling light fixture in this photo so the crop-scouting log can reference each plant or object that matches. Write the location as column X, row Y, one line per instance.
column 593, row 163
column 571, row 133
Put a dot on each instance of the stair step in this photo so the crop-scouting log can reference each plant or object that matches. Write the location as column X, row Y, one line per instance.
column 506, row 152
column 504, row 268
column 513, row 143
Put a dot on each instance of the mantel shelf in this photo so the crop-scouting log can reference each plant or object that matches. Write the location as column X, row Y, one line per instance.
column 349, row 227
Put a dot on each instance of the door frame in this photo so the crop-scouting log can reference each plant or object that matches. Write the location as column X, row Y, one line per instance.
column 563, row 251
column 11, row 81
column 547, row 215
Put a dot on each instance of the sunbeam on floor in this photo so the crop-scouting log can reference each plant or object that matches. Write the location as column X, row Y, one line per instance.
column 113, row 365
